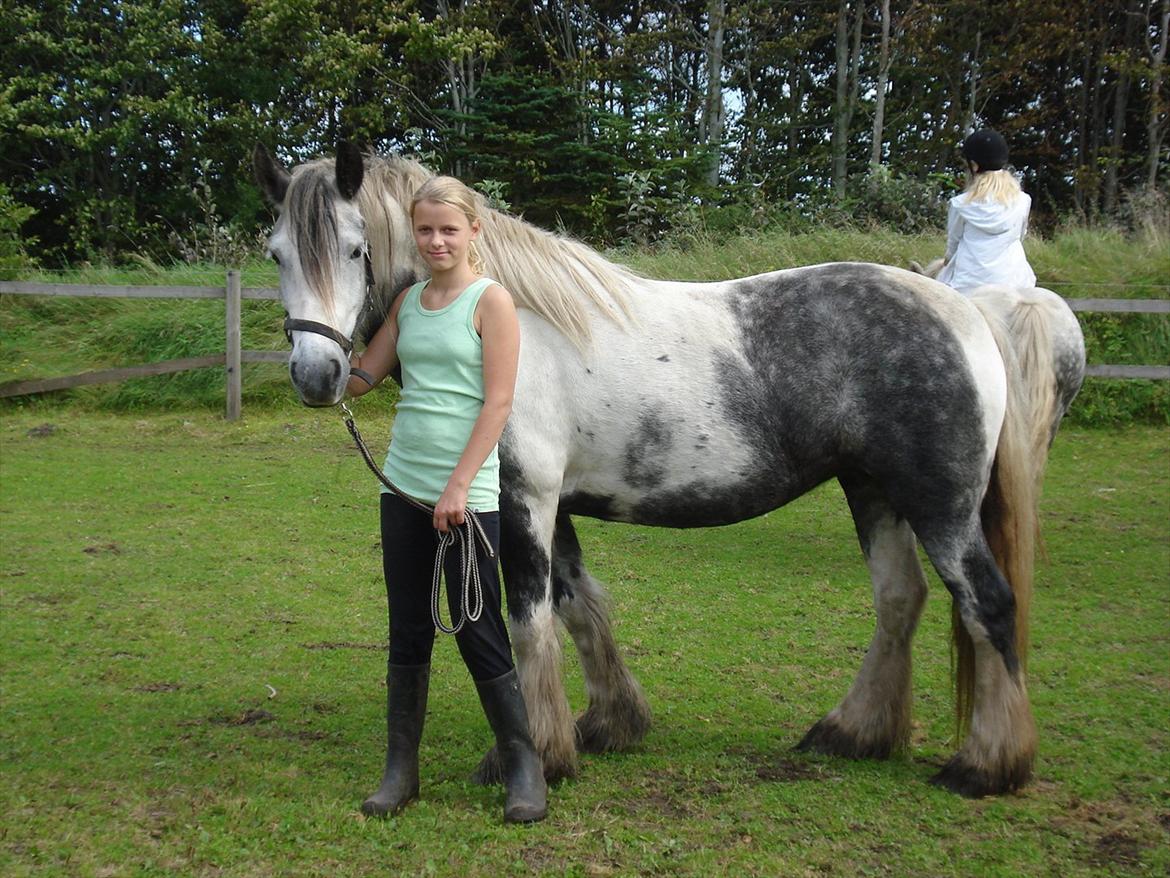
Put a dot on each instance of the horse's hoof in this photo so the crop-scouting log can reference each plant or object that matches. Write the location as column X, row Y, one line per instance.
column 591, row 735
column 614, row 731
column 974, row 783
column 489, row 771
column 830, row 739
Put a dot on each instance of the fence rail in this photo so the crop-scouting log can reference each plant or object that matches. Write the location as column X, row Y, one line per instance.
column 234, row 356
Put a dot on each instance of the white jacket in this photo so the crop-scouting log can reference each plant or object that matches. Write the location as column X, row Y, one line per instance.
column 984, row 244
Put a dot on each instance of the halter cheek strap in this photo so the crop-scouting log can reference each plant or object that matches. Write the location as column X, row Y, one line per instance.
column 293, row 324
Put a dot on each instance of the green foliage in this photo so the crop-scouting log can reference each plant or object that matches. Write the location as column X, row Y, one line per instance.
column 14, row 245
column 211, row 239
column 496, row 193
column 120, row 123
column 896, row 200
column 524, row 133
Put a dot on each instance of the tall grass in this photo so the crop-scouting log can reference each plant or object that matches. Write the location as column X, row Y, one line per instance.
column 46, row 337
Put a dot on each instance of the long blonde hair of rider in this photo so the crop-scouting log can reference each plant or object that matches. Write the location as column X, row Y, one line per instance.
column 453, row 193
column 1001, row 186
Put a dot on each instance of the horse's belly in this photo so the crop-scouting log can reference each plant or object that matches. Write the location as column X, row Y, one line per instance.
column 696, row 482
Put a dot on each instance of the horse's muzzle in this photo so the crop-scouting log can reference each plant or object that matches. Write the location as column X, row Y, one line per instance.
column 318, row 382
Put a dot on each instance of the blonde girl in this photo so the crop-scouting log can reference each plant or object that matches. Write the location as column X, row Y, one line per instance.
column 457, row 339
column 987, row 222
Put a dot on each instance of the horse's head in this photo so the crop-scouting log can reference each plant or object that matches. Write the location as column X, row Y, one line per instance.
column 319, row 243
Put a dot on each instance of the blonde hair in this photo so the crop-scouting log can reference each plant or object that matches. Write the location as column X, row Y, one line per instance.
column 454, row 193
column 1001, row 186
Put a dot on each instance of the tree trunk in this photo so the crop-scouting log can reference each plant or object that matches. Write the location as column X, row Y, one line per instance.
column 1120, row 102
column 711, row 122
column 1156, row 121
column 972, row 105
column 879, row 110
column 840, row 142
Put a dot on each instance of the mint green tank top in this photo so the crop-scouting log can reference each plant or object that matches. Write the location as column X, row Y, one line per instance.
column 442, row 395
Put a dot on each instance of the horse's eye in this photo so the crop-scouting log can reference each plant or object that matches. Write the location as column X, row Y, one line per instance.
column 357, row 253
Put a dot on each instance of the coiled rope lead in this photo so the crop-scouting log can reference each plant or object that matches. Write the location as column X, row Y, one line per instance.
column 466, row 535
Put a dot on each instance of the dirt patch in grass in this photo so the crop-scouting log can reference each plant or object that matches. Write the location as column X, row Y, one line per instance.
column 344, row 644
column 103, row 549
column 1117, row 849
column 159, row 687
column 1114, row 830
column 250, row 717
column 782, row 768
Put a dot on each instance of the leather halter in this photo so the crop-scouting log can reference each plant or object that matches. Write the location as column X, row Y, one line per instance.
column 294, row 324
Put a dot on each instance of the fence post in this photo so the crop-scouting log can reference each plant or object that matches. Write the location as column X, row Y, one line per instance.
column 232, row 350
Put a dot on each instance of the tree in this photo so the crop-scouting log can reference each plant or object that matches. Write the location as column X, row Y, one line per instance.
column 1156, row 112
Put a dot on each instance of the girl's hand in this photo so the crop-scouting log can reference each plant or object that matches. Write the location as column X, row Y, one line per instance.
column 451, row 509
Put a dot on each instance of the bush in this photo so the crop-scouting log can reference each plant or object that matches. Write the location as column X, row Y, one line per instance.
column 13, row 246
column 1145, row 211
column 886, row 198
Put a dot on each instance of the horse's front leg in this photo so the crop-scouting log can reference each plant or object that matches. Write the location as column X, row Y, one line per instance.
column 618, row 716
column 526, row 529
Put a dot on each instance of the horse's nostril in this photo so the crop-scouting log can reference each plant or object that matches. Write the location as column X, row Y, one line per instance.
column 336, row 366
column 292, row 370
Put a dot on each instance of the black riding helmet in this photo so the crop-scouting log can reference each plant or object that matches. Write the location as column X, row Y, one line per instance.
column 987, row 149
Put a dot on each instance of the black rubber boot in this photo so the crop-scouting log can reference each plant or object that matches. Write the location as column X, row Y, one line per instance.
column 527, row 793
column 406, row 708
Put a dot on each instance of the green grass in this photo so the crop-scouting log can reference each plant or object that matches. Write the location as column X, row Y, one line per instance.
column 48, row 337
column 191, row 643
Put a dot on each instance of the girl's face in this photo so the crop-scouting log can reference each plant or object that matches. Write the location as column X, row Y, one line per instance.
column 443, row 235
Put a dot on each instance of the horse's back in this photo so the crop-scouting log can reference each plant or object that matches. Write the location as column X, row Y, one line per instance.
column 1047, row 337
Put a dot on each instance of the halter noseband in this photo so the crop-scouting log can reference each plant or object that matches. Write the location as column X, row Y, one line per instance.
column 293, row 324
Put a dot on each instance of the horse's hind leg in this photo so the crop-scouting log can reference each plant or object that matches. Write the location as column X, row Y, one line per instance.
column 873, row 720
column 526, row 528
column 997, row 753
column 617, row 717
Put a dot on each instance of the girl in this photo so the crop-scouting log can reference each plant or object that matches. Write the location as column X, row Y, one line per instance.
column 457, row 339
column 986, row 224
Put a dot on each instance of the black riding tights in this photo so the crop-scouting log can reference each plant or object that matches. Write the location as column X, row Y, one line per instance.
column 409, row 544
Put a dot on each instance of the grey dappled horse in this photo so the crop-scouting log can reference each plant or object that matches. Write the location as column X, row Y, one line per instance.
column 694, row 404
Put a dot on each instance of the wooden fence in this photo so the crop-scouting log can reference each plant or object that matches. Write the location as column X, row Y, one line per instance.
column 234, row 357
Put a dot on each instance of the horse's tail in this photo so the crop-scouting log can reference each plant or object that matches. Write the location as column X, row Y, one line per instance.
column 1041, row 329
column 1010, row 508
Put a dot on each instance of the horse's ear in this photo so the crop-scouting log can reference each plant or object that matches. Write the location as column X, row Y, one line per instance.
column 271, row 177
column 350, row 169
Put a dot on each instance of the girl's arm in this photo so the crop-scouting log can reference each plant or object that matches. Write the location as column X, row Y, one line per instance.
column 380, row 356
column 954, row 232
column 499, row 329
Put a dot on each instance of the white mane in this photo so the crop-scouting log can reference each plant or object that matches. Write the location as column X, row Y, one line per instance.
column 551, row 275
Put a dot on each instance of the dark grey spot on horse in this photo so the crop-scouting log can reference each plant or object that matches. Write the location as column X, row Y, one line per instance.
column 995, row 603
column 523, row 558
column 589, row 505
column 874, row 377
column 567, row 567
column 645, row 461
column 665, row 358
